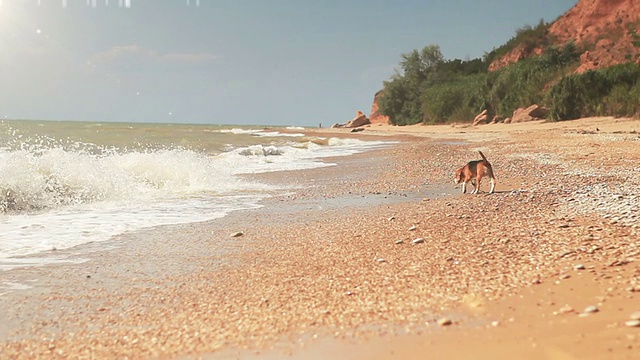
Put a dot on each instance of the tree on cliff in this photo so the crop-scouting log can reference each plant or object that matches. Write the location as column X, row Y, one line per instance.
column 425, row 79
column 402, row 99
column 430, row 89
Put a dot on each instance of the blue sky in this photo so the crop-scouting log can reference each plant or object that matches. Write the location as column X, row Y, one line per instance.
column 262, row 62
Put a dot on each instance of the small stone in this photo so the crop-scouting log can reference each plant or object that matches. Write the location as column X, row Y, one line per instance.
column 566, row 309
column 495, row 323
column 237, row 234
column 563, row 226
column 399, row 241
column 445, row 322
column 632, row 323
column 412, row 228
column 591, row 309
column 381, row 260
column 392, row 218
column 418, row 241
column 579, row 267
column 567, row 253
column 635, row 315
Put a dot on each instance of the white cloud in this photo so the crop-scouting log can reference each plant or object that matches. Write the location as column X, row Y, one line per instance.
column 137, row 58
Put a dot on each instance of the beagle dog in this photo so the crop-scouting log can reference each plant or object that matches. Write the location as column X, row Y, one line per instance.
column 473, row 172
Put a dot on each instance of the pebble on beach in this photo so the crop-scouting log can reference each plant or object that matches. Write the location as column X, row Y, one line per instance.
column 315, row 255
column 632, row 323
column 565, row 309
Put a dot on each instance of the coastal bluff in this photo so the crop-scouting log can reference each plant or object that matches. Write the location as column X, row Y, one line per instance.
column 607, row 29
column 605, row 33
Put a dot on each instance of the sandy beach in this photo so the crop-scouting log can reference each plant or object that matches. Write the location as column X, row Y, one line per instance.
column 378, row 257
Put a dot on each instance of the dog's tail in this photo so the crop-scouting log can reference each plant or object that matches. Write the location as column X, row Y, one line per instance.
column 484, row 159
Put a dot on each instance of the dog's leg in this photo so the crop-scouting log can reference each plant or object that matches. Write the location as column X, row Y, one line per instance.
column 475, row 191
column 493, row 185
column 464, row 187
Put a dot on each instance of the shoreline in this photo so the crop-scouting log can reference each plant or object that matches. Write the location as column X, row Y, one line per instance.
column 324, row 278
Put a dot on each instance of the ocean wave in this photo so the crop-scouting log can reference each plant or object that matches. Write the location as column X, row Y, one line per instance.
column 260, row 150
column 276, row 134
column 62, row 192
column 46, row 179
column 237, row 131
column 259, row 132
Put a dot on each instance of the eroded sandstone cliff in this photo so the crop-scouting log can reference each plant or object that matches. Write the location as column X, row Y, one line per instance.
column 375, row 117
column 608, row 31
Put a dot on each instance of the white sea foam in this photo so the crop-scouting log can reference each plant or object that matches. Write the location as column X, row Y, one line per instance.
column 57, row 196
column 238, row 131
column 262, row 133
column 276, row 134
column 8, row 286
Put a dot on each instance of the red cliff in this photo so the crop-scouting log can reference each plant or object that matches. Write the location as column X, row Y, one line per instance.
column 375, row 117
column 606, row 29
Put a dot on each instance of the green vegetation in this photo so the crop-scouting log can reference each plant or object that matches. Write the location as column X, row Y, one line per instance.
column 524, row 83
column 610, row 91
column 528, row 37
column 429, row 89
column 425, row 74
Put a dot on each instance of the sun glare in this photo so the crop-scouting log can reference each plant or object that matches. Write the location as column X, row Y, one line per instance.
column 5, row 11
column 4, row 17
column 12, row 25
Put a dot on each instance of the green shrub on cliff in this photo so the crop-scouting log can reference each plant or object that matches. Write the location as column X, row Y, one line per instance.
column 609, row 91
column 524, row 83
column 528, row 37
column 404, row 100
column 401, row 100
column 457, row 100
column 432, row 90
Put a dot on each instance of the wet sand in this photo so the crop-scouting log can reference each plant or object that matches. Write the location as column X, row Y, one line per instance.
column 331, row 269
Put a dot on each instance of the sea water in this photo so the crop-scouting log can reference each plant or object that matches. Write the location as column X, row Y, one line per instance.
column 64, row 184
